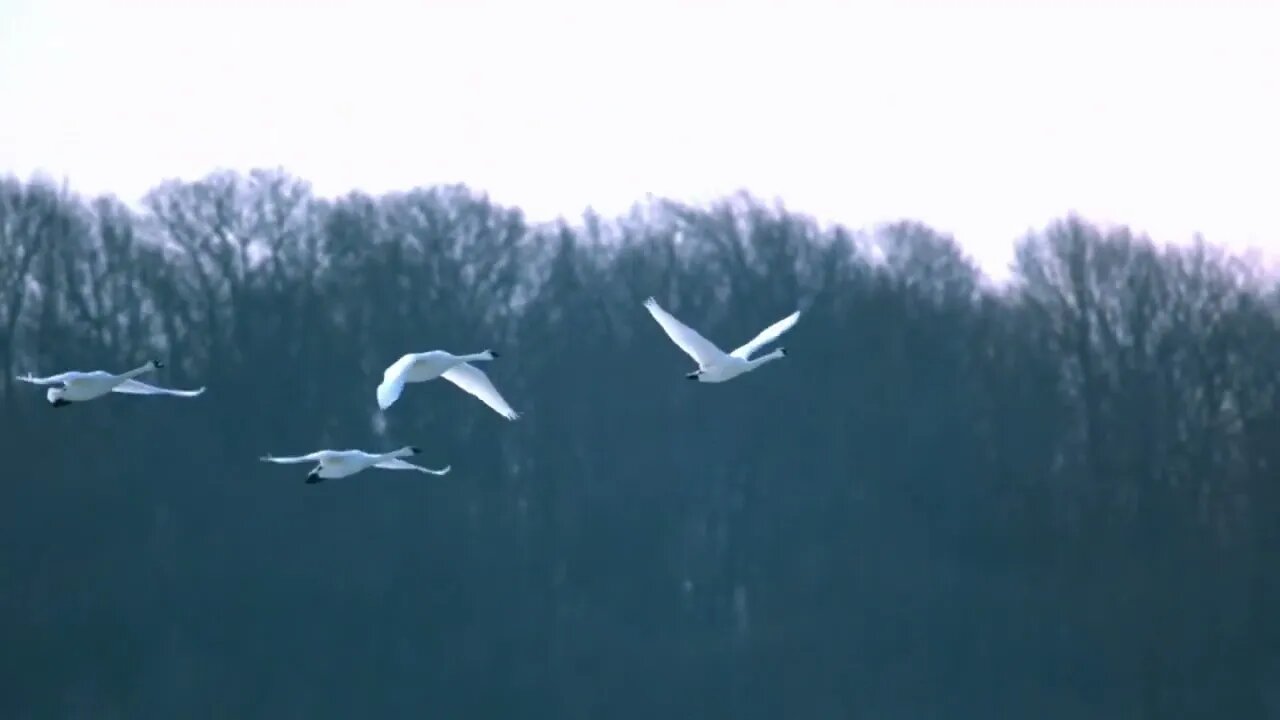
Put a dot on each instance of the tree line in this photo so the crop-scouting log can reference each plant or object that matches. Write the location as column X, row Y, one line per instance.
column 1054, row 498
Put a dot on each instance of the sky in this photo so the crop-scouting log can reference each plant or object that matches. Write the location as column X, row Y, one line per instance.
column 985, row 120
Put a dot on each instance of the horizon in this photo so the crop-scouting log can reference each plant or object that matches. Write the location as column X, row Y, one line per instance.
column 982, row 121
column 1268, row 263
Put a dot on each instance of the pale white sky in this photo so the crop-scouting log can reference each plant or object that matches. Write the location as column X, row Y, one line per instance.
column 983, row 119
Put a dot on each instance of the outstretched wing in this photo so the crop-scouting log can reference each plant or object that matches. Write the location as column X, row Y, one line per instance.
column 766, row 336
column 398, row 464
column 59, row 379
column 393, row 381
column 134, row 387
column 694, row 345
column 473, row 380
column 309, row 457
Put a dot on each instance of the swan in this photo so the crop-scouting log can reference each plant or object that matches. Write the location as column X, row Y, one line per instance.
column 341, row 463
column 714, row 365
column 457, row 369
column 77, row 386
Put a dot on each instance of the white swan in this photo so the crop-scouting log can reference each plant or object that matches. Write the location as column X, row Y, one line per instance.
column 420, row 367
column 76, row 386
column 713, row 364
column 341, row 463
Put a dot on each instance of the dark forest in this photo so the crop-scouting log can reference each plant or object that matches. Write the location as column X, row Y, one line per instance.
column 1052, row 498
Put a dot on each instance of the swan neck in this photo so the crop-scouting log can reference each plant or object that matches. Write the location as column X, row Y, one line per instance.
column 766, row 358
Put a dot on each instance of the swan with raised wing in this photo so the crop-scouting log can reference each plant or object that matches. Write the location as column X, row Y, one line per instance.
column 714, row 365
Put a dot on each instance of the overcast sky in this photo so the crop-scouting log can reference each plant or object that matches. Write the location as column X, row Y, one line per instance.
column 983, row 119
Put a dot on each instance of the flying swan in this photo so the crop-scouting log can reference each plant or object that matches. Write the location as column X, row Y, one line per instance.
column 714, row 365
column 76, row 386
column 341, row 463
column 457, row 369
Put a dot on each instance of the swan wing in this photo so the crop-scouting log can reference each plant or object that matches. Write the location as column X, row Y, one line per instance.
column 766, row 336
column 398, row 464
column 686, row 338
column 59, row 379
column 389, row 391
column 473, row 380
column 393, row 379
column 134, row 387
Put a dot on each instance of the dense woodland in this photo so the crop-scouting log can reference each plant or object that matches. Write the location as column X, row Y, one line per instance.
column 1052, row 499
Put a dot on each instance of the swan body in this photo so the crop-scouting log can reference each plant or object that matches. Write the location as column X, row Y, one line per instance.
column 457, row 369
column 341, row 463
column 76, row 386
column 715, row 365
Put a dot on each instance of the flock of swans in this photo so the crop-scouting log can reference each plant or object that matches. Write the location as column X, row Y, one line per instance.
column 714, row 366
